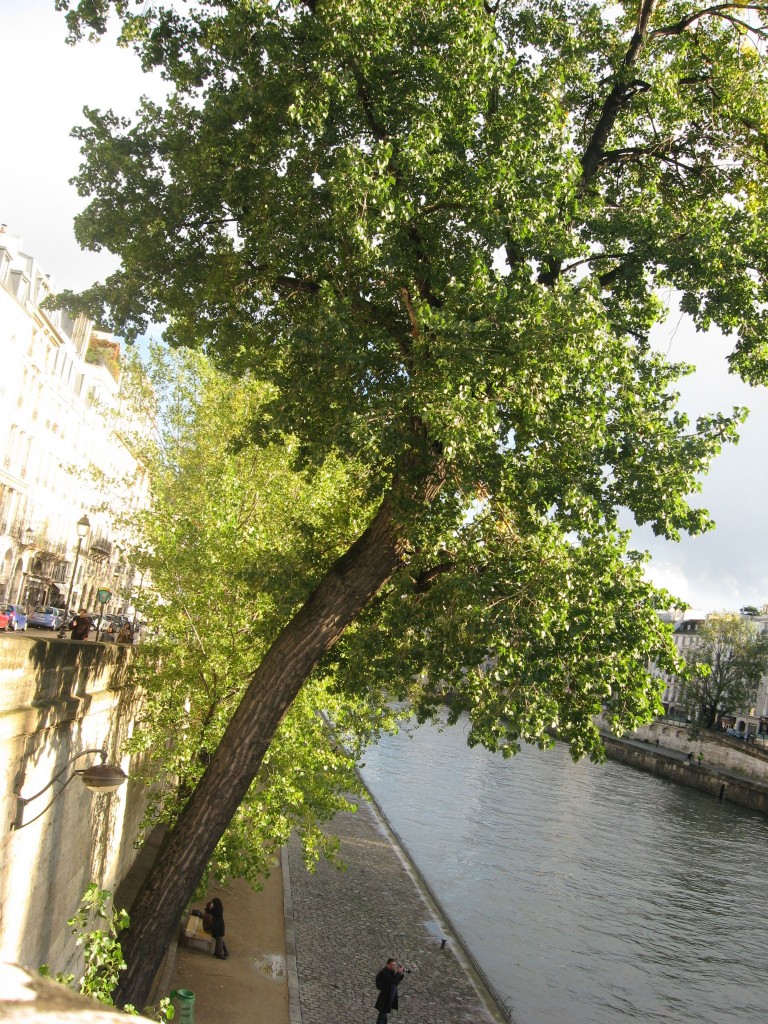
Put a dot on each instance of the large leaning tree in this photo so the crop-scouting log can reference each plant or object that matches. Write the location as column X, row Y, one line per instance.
column 224, row 545
column 442, row 231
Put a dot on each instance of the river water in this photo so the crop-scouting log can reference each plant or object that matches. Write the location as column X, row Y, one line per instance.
column 588, row 894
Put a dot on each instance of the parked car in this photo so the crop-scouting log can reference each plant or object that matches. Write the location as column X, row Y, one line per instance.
column 113, row 622
column 4, row 619
column 45, row 616
column 17, row 616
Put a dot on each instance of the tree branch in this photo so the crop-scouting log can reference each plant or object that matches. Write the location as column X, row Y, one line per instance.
column 550, row 272
column 716, row 11
column 608, row 278
column 620, row 93
column 411, row 314
column 425, row 579
column 295, row 284
column 662, row 151
column 367, row 104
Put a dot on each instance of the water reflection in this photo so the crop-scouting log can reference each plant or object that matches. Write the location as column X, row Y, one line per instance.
column 588, row 893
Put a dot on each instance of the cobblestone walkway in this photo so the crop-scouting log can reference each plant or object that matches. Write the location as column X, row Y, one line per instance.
column 346, row 924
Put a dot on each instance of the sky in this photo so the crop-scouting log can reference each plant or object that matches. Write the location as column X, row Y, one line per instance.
column 47, row 85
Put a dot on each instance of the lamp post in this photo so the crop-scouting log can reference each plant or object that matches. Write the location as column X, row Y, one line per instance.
column 135, row 609
column 118, row 570
column 27, row 540
column 99, row 778
column 83, row 526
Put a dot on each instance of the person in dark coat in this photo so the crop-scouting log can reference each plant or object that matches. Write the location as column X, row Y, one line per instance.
column 81, row 626
column 125, row 634
column 387, row 980
column 216, row 909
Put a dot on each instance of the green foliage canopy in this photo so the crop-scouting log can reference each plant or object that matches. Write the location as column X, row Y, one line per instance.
column 440, row 231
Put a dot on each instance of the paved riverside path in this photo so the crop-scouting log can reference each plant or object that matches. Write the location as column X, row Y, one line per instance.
column 345, row 924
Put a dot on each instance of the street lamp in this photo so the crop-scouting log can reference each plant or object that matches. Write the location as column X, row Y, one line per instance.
column 116, row 572
column 99, row 778
column 135, row 609
column 27, row 541
column 83, row 526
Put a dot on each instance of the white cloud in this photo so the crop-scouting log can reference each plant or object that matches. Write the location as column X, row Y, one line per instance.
column 47, row 85
column 671, row 577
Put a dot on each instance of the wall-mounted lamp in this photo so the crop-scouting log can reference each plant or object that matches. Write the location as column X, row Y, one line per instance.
column 98, row 778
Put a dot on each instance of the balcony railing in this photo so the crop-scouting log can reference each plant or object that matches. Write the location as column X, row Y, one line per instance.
column 18, row 530
column 100, row 547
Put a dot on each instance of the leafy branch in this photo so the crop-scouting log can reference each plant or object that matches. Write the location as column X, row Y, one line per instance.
column 102, row 954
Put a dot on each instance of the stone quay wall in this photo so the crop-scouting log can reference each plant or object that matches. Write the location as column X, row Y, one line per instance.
column 717, row 748
column 57, row 699
column 723, row 784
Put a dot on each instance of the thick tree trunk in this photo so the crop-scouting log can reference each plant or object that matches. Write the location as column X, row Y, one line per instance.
column 344, row 591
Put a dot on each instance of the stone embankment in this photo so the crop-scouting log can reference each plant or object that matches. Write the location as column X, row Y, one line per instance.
column 345, row 924
column 60, row 703
column 724, row 766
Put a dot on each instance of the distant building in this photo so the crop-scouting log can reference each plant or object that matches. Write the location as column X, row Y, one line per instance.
column 756, row 718
column 59, row 396
column 686, row 625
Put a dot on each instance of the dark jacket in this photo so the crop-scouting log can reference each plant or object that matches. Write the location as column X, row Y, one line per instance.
column 216, row 910
column 125, row 634
column 387, row 981
column 81, row 627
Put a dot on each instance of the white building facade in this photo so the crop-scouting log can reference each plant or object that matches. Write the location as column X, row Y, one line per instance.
column 685, row 626
column 753, row 719
column 59, row 442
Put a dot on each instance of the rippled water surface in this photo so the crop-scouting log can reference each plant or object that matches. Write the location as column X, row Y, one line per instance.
column 588, row 894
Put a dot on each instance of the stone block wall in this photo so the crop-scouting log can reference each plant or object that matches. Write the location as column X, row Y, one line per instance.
column 718, row 750
column 722, row 784
column 58, row 698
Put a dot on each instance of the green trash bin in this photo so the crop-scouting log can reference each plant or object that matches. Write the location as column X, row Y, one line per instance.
column 185, row 1005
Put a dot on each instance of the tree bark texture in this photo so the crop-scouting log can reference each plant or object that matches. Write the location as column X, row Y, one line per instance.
column 343, row 592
